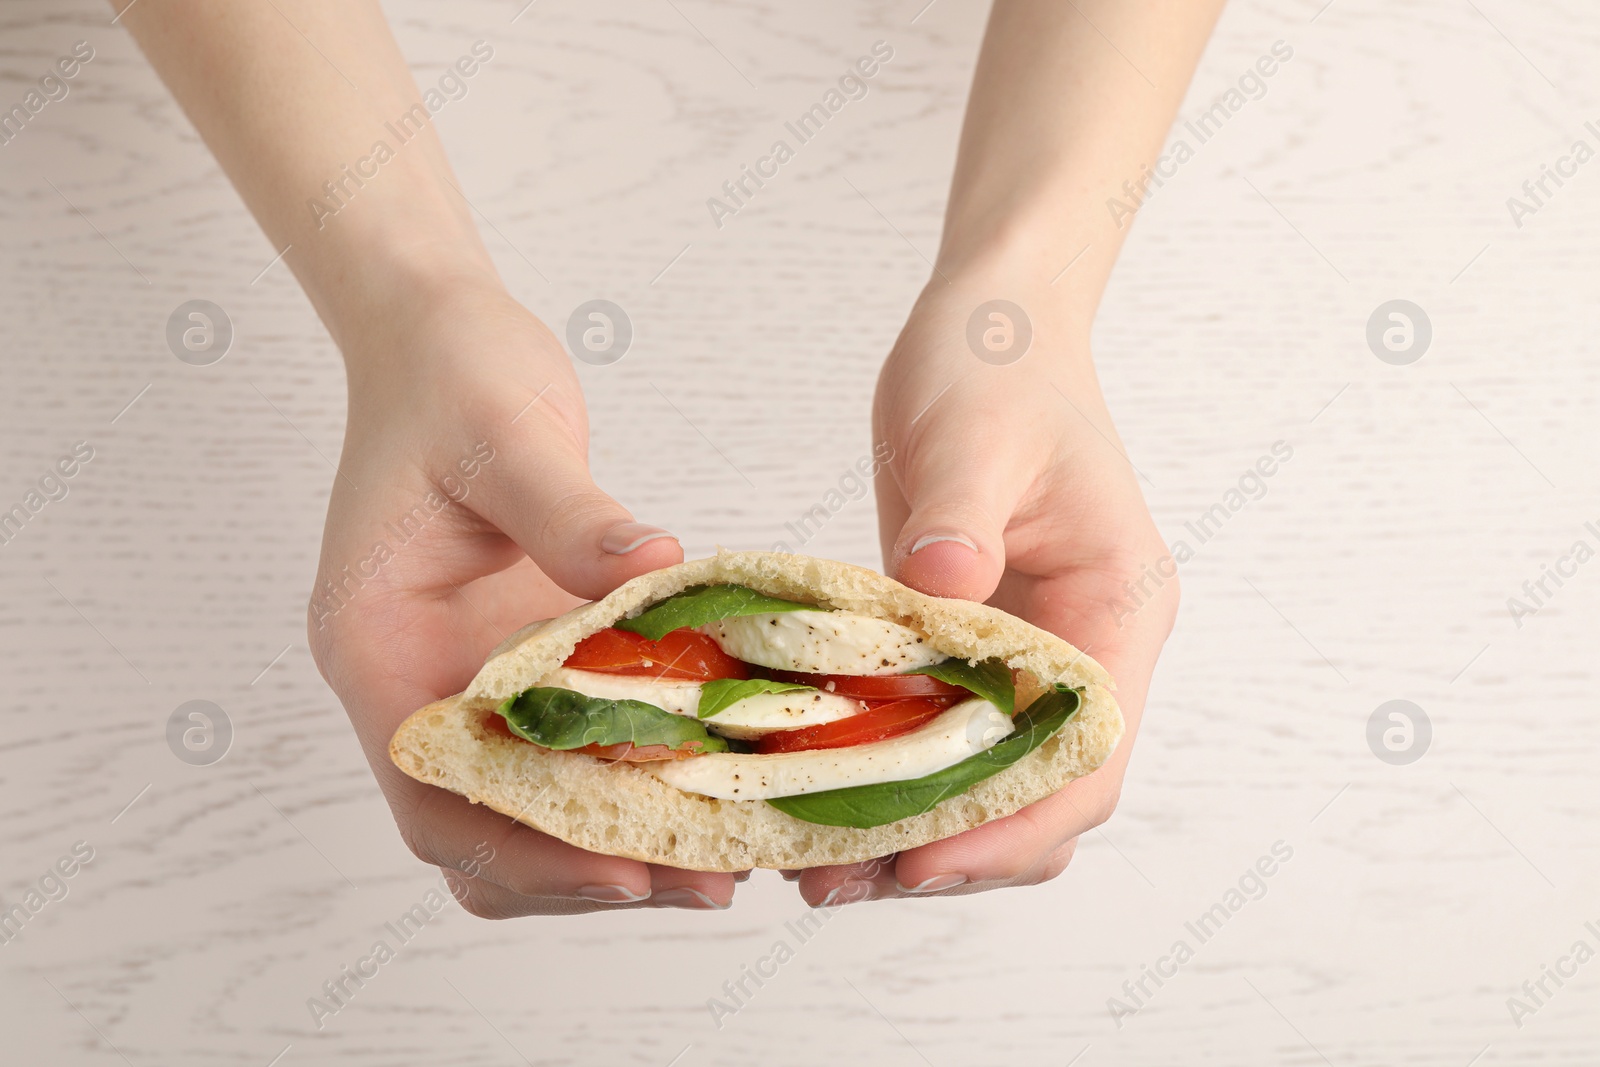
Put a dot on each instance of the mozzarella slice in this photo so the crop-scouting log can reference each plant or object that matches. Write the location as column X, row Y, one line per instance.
column 668, row 694
column 765, row 712
column 823, row 642
column 961, row 731
column 747, row 718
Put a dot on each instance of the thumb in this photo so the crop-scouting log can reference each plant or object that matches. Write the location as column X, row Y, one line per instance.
column 543, row 498
column 953, row 541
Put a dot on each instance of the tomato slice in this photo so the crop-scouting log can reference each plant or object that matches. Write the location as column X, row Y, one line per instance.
column 875, row 724
column 628, row 752
column 882, row 687
column 682, row 654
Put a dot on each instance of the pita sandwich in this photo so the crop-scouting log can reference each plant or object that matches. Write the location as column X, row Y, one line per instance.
column 819, row 754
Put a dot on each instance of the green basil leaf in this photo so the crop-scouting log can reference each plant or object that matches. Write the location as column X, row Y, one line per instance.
column 990, row 680
column 866, row 806
column 717, row 694
column 562, row 719
column 701, row 604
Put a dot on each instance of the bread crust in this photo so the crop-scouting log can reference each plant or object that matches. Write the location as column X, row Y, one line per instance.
column 622, row 810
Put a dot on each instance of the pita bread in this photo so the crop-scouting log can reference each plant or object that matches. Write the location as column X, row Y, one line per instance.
column 621, row 810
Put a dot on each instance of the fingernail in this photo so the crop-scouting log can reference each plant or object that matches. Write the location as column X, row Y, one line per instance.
column 928, row 539
column 849, row 893
column 609, row 894
column 935, row 884
column 791, row 876
column 684, row 897
column 625, row 537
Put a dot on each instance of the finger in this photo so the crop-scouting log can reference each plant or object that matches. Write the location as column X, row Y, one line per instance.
column 450, row 831
column 494, row 607
column 1058, row 860
column 1003, row 850
column 541, row 495
column 1007, row 849
column 960, row 494
column 690, row 890
column 848, row 883
column 487, row 900
column 893, row 511
column 1047, row 868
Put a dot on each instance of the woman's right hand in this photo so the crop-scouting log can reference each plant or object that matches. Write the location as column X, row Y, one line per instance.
column 455, row 390
column 463, row 509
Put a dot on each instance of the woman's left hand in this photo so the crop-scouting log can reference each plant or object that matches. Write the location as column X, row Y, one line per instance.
column 1009, row 486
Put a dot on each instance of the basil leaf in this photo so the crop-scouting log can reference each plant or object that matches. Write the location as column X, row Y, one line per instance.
column 717, row 694
column 701, row 604
column 562, row 719
column 990, row 680
column 866, row 806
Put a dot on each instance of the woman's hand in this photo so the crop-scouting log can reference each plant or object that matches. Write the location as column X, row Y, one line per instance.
column 463, row 507
column 463, row 510
column 1009, row 485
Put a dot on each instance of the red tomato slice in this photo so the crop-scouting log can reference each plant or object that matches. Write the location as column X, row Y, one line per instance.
column 882, row 687
column 874, row 724
column 682, row 654
column 630, row 753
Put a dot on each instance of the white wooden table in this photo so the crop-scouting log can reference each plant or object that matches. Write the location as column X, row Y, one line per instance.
column 1377, row 566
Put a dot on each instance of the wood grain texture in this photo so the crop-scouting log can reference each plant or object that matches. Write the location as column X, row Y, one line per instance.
column 1376, row 566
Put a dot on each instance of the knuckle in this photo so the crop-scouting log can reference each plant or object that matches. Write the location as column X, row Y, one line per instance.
column 416, row 841
column 1011, row 868
column 583, row 508
column 1141, row 582
column 411, row 819
column 556, row 422
column 521, row 882
column 1097, row 811
column 1058, row 861
column 481, row 899
column 473, row 902
column 1104, row 805
column 1169, row 611
column 351, row 608
column 458, row 884
column 320, row 624
column 1086, row 804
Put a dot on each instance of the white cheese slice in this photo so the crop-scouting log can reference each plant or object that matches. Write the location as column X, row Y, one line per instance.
column 748, row 718
column 823, row 642
column 765, row 712
column 961, row 731
column 669, row 694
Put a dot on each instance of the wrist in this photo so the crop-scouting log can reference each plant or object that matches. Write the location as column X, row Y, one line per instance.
column 397, row 246
column 378, row 301
column 1057, row 317
column 446, row 335
column 1061, row 261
